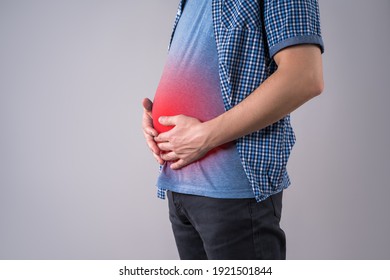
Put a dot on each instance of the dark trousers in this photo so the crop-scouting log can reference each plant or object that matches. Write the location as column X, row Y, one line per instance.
column 220, row 229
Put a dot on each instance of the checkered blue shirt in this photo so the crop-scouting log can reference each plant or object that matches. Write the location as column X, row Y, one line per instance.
column 248, row 34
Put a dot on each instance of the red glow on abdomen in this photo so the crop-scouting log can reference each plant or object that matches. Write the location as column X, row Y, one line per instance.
column 188, row 93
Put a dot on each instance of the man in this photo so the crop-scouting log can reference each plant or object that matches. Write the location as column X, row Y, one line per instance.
column 219, row 124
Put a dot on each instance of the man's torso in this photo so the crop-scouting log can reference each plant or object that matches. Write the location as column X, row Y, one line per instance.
column 190, row 85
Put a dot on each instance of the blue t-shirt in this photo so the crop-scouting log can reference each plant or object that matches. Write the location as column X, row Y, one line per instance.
column 190, row 85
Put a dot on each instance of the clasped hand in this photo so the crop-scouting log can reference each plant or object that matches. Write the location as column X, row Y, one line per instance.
column 185, row 143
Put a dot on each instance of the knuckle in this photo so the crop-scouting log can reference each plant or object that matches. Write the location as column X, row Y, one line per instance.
column 146, row 134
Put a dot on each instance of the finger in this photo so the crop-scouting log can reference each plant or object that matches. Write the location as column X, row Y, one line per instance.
column 163, row 137
column 168, row 121
column 158, row 158
column 147, row 104
column 178, row 164
column 171, row 156
column 147, row 125
column 165, row 146
column 150, row 131
column 155, row 150
column 152, row 145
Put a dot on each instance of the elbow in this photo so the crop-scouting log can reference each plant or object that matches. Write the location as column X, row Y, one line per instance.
column 315, row 85
column 317, row 88
column 312, row 76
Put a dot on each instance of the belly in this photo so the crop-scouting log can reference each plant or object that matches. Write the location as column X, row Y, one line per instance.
column 187, row 94
column 171, row 101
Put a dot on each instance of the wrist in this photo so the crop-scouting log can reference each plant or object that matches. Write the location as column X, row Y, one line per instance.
column 211, row 134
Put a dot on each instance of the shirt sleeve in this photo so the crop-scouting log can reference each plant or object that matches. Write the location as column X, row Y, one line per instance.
column 292, row 22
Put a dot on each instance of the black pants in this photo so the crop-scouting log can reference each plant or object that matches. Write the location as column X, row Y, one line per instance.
column 211, row 228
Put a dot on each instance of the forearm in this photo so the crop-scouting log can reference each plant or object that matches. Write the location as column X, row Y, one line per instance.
column 298, row 79
column 279, row 95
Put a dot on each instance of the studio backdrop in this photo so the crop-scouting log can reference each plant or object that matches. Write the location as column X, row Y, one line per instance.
column 77, row 180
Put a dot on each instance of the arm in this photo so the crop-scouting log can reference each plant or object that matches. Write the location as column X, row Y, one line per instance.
column 297, row 80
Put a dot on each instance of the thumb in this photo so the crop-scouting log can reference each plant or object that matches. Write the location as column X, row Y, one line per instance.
column 147, row 104
column 167, row 121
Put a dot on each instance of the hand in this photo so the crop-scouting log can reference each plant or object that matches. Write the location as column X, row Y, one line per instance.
column 185, row 143
column 149, row 131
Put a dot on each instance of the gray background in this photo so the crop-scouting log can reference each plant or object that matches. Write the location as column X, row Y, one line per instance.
column 77, row 180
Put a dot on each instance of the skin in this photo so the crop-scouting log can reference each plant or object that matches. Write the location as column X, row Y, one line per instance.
column 149, row 131
column 298, row 79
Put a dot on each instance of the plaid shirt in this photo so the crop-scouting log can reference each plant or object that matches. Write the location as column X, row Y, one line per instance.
column 248, row 34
